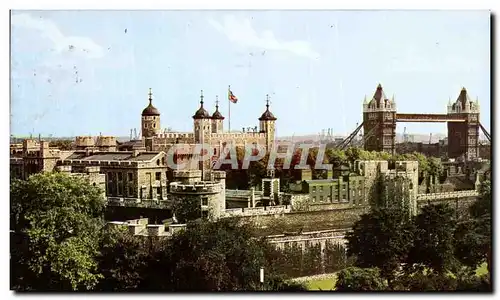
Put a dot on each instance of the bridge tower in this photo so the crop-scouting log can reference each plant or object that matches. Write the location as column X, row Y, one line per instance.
column 379, row 122
column 463, row 137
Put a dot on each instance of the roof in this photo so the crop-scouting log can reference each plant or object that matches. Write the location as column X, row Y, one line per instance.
column 201, row 113
column 150, row 110
column 217, row 115
column 267, row 115
column 463, row 98
column 379, row 95
column 114, row 156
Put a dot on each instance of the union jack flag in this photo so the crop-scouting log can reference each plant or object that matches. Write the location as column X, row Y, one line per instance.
column 232, row 97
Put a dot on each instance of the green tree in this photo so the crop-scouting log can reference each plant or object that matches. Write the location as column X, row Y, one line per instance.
column 353, row 154
column 336, row 157
column 355, row 279
column 213, row 256
column 62, row 144
column 57, row 220
column 433, row 246
column 186, row 209
column 473, row 237
column 123, row 260
column 381, row 239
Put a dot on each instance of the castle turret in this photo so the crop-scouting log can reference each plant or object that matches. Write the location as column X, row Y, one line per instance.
column 379, row 122
column 202, row 123
column 217, row 118
column 150, row 119
column 465, row 135
column 267, row 124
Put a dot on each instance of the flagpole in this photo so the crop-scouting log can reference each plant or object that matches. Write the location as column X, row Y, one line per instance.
column 229, row 106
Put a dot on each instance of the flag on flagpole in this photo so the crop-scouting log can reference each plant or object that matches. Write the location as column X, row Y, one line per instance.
column 231, row 96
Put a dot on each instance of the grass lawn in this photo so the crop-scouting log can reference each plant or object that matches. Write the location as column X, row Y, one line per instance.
column 327, row 284
column 482, row 269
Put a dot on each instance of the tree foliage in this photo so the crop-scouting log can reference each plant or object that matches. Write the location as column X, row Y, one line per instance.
column 473, row 237
column 62, row 144
column 355, row 279
column 186, row 209
column 57, row 219
column 433, row 238
column 381, row 239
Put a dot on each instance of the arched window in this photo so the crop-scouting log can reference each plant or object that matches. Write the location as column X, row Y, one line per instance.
column 158, row 162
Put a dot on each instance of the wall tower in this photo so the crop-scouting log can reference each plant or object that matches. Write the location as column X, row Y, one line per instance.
column 379, row 122
column 463, row 137
column 217, row 118
column 267, row 122
column 150, row 119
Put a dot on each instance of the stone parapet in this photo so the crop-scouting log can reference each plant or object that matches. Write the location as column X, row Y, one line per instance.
column 196, row 188
column 136, row 202
column 449, row 195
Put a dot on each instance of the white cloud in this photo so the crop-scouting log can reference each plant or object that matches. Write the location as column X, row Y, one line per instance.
column 82, row 46
column 240, row 31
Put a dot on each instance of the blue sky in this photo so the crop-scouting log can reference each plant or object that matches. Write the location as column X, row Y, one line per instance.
column 79, row 72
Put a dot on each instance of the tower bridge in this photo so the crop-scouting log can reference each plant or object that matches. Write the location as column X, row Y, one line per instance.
column 380, row 117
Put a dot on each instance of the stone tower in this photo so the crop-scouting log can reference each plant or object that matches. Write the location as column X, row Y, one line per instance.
column 150, row 120
column 202, row 124
column 217, row 118
column 267, row 124
column 379, row 122
column 463, row 137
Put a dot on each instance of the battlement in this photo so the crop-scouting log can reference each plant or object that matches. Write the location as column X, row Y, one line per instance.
column 187, row 176
column 84, row 141
column 173, row 135
column 367, row 167
column 196, row 188
column 105, row 163
column 106, row 141
column 66, row 169
column 141, row 227
column 92, row 169
column 218, row 175
column 385, row 106
column 256, row 211
column 30, row 144
column 449, row 195
column 239, row 135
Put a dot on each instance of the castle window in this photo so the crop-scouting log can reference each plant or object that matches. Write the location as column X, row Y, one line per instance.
column 158, row 162
column 321, row 198
column 204, row 214
column 130, row 176
column 204, row 201
column 215, row 151
column 158, row 192
column 321, row 189
column 158, row 175
column 163, row 160
column 154, row 125
column 120, row 176
column 314, row 189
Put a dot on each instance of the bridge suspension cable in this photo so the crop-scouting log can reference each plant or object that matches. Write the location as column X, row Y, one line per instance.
column 488, row 136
